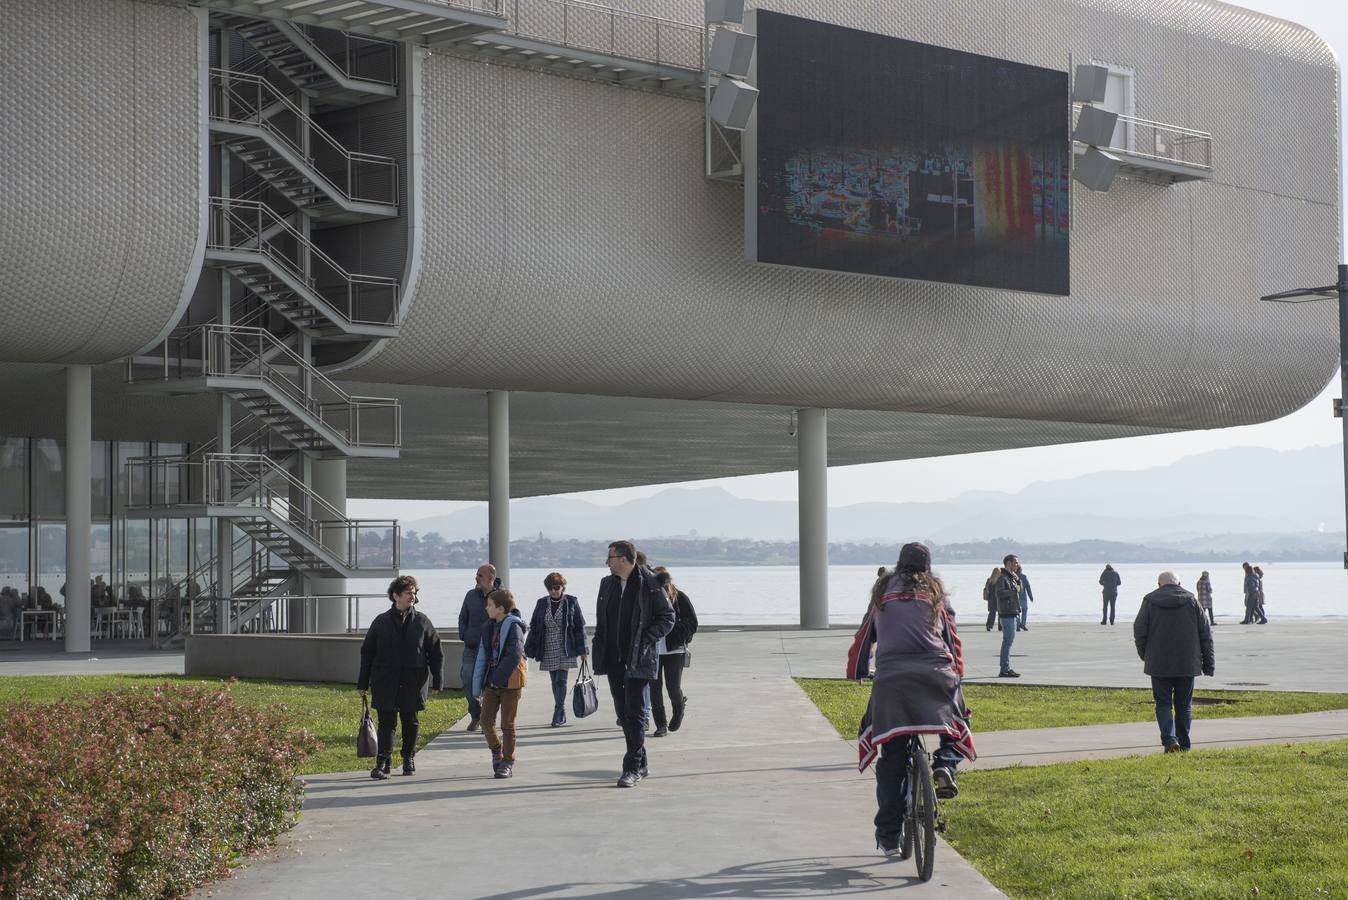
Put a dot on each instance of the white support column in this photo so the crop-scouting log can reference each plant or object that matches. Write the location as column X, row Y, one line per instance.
column 329, row 482
column 812, row 476
column 79, row 434
column 498, row 482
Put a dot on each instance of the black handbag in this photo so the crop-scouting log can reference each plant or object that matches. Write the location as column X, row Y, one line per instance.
column 367, row 738
column 584, row 696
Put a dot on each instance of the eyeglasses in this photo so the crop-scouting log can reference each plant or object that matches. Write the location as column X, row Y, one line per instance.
column 614, row 557
column 554, row 587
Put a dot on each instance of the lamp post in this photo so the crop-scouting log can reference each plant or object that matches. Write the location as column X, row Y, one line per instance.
column 1306, row 295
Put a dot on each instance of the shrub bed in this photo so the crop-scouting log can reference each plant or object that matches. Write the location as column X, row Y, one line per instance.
column 141, row 792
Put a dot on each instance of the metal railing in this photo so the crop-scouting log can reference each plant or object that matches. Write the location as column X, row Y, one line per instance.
column 252, row 481
column 356, row 56
column 232, row 351
column 253, row 227
column 613, row 32
column 1159, row 141
column 248, row 99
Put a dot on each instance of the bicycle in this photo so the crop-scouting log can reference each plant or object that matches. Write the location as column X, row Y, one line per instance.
column 922, row 810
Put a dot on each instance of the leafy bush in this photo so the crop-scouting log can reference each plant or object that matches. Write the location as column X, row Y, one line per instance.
column 141, row 792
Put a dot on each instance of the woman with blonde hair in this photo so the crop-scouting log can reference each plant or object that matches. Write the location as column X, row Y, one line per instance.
column 990, row 598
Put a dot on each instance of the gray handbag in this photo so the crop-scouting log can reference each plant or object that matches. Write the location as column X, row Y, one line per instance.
column 367, row 738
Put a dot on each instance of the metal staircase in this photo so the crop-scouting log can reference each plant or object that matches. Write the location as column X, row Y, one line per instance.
column 289, row 273
column 338, row 68
column 282, row 391
column 279, row 516
column 296, row 156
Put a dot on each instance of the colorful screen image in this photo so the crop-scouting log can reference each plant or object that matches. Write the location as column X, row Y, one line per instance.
column 888, row 157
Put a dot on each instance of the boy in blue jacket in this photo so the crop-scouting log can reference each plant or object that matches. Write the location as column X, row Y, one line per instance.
column 499, row 675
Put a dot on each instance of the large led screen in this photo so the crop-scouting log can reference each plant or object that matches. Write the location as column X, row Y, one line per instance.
column 889, row 157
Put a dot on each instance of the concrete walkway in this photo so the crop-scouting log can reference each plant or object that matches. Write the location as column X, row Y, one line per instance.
column 755, row 796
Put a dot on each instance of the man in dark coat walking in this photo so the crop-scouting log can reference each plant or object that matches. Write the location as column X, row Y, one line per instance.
column 401, row 652
column 1174, row 643
column 633, row 615
column 1006, row 593
column 472, row 621
column 1109, row 583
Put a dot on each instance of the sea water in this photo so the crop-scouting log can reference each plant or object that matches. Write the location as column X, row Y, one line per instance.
column 770, row 595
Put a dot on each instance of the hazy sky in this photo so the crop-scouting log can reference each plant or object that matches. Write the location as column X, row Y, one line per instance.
column 937, row 479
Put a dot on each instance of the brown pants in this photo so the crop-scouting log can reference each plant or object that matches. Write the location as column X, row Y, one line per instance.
column 507, row 700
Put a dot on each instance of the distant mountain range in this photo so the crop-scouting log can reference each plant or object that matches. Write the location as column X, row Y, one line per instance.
column 1198, row 500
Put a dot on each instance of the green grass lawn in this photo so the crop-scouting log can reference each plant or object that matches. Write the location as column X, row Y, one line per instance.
column 1269, row 821
column 1004, row 707
column 330, row 712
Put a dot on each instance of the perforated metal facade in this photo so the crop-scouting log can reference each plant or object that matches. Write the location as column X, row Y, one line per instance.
column 571, row 245
column 102, row 188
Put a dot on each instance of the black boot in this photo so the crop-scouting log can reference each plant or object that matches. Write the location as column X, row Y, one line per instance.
column 409, row 764
column 661, row 726
column 677, row 719
column 381, row 767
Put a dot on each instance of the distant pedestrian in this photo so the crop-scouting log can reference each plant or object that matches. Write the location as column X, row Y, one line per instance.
column 1259, row 616
column 472, row 618
column 1007, row 592
column 499, row 676
column 631, row 617
column 1026, row 597
column 674, row 654
column 400, row 653
column 1203, row 590
column 989, row 596
column 910, row 627
column 1251, row 590
column 1174, row 643
column 556, row 638
column 1109, row 583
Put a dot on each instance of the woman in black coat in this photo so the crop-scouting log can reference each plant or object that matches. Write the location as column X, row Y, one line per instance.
column 673, row 655
column 400, row 651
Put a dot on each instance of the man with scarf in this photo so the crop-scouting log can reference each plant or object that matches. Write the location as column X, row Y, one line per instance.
column 633, row 614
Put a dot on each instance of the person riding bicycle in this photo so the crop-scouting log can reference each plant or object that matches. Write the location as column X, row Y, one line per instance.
column 918, row 664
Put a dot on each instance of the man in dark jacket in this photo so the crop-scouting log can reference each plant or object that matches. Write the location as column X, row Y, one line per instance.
column 1175, row 644
column 633, row 614
column 1109, row 583
column 472, row 618
column 401, row 651
column 1006, row 594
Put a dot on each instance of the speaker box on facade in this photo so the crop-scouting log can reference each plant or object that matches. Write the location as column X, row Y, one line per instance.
column 725, row 11
column 731, row 52
column 1095, row 126
column 1088, row 85
column 1096, row 169
column 732, row 102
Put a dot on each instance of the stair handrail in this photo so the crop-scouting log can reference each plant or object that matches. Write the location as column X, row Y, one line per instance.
column 312, row 515
column 238, row 214
column 345, row 67
column 256, row 349
column 226, row 79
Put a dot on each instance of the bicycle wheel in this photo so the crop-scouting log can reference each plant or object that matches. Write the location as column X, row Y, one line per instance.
column 923, row 812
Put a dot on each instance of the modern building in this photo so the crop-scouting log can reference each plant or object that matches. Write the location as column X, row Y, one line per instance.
column 261, row 255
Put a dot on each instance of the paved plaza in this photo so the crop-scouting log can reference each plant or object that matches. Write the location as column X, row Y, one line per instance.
column 755, row 796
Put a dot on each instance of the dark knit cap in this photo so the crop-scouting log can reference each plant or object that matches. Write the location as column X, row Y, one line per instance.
column 914, row 557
